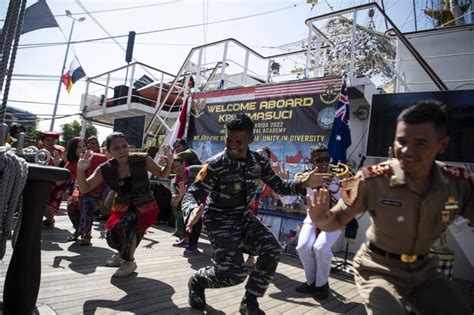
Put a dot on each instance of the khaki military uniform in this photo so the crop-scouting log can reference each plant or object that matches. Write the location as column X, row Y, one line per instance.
column 394, row 265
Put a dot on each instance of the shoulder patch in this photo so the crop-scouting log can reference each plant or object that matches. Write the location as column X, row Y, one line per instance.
column 458, row 172
column 350, row 189
column 202, row 173
column 377, row 170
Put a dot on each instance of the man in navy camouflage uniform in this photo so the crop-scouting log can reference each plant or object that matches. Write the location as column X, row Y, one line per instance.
column 228, row 180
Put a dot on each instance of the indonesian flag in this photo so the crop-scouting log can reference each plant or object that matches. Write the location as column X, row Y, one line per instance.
column 73, row 75
column 179, row 127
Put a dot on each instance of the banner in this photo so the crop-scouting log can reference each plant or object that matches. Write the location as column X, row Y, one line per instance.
column 289, row 118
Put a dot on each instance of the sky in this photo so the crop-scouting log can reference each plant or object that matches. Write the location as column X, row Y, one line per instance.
column 277, row 22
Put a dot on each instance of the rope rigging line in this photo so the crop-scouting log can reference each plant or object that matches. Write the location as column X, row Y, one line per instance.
column 118, row 9
column 182, row 27
column 13, row 176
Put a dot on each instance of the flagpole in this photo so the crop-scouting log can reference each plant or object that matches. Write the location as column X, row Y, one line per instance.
column 68, row 13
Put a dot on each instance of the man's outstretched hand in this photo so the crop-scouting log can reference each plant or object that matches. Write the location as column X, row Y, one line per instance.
column 315, row 179
column 318, row 205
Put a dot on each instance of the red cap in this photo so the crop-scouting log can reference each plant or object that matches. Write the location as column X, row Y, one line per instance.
column 54, row 134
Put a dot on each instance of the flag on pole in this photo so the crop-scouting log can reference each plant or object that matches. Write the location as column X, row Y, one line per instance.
column 38, row 16
column 340, row 138
column 179, row 126
column 73, row 75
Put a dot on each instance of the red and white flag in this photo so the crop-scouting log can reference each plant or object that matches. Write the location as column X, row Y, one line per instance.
column 179, row 127
column 74, row 74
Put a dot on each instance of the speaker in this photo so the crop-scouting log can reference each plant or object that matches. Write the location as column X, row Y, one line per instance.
column 120, row 95
column 131, row 42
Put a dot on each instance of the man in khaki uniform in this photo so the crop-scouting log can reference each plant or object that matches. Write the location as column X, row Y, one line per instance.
column 411, row 199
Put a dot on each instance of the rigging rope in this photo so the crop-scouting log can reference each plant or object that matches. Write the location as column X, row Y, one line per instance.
column 13, row 176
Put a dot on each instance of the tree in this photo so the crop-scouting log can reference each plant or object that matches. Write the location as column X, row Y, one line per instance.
column 31, row 132
column 71, row 130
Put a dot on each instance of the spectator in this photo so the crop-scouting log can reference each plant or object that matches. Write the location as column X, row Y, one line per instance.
column 81, row 206
column 188, row 155
column 179, row 185
column 93, row 144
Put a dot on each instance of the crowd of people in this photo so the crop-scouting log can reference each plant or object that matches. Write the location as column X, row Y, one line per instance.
column 411, row 199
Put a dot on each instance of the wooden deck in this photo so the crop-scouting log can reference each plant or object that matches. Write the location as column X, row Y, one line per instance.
column 75, row 281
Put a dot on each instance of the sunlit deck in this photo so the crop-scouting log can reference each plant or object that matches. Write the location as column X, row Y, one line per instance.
column 75, row 281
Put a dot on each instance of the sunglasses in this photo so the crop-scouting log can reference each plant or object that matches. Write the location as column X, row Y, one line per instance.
column 322, row 159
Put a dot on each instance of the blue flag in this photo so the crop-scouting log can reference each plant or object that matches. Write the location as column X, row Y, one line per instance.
column 38, row 16
column 340, row 138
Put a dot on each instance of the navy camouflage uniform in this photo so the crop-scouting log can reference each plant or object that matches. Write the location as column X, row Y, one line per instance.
column 230, row 187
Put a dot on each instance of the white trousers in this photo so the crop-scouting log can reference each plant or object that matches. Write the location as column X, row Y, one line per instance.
column 315, row 253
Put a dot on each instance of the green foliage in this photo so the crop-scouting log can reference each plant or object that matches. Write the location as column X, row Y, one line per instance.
column 31, row 132
column 71, row 130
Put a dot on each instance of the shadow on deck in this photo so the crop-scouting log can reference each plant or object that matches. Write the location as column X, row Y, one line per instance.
column 74, row 280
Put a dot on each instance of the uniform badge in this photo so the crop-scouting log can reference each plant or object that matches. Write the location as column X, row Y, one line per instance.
column 445, row 216
column 202, row 173
column 393, row 180
column 237, row 186
column 391, row 202
column 451, row 204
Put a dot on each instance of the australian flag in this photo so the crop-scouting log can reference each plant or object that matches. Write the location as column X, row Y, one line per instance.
column 340, row 138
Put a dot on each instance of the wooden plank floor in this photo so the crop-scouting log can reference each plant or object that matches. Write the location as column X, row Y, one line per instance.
column 74, row 280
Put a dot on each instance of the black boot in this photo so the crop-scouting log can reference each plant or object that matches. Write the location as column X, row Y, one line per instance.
column 249, row 305
column 197, row 299
column 305, row 288
column 322, row 292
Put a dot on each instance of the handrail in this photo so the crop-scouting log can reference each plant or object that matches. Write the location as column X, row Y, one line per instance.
column 421, row 61
column 197, row 48
column 130, row 65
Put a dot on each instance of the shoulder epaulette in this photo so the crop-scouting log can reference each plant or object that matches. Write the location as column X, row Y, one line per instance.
column 302, row 175
column 457, row 172
column 342, row 171
column 377, row 170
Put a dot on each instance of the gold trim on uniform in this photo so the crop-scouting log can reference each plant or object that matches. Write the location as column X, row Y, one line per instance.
column 408, row 258
column 341, row 170
column 393, row 180
column 301, row 176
